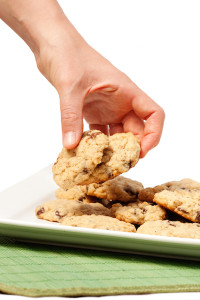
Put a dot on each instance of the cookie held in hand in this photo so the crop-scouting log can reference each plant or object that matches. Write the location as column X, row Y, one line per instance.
column 96, row 159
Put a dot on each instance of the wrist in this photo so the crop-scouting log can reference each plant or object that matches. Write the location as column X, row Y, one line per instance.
column 40, row 24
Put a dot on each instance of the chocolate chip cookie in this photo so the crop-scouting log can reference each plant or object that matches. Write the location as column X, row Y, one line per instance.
column 138, row 212
column 120, row 188
column 183, row 202
column 74, row 167
column 78, row 192
column 55, row 210
column 96, row 159
column 147, row 194
column 98, row 222
column 171, row 228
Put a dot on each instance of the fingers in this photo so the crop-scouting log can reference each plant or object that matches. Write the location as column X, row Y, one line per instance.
column 132, row 123
column 102, row 128
column 116, row 128
column 71, row 119
column 146, row 109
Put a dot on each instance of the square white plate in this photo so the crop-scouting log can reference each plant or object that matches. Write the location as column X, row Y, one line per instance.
column 18, row 220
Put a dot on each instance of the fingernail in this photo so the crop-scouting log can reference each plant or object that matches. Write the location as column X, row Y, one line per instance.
column 69, row 139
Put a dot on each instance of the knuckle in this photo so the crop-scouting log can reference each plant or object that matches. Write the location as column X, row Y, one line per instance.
column 67, row 114
column 161, row 112
column 66, row 82
column 70, row 81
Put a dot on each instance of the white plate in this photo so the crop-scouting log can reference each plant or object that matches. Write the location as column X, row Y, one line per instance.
column 18, row 220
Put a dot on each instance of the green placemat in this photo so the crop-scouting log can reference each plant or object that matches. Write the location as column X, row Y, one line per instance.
column 42, row 270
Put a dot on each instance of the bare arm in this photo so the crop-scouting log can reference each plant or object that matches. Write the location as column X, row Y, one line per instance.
column 88, row 85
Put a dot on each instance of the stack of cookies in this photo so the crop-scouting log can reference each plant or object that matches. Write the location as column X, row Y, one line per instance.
column 181, row 199
column 92, row 193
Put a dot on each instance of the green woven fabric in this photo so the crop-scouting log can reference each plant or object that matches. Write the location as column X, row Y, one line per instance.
column 42, row 270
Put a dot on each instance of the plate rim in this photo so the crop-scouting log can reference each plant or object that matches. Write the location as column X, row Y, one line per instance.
column 100, row 232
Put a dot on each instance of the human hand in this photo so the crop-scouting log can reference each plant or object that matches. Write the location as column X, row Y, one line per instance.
column 88, row 85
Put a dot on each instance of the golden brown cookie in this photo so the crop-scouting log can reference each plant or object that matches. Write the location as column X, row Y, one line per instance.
column 78, row 192
column 171, row 228
column 55, row 210
column 183, row 202
column 74, row 167
column 138, row 212
column 98, row 222
column 120, row 188
column 96, row 159
column 147, row 194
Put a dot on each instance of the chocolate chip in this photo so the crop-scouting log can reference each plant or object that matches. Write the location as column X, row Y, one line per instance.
column 92, row 135
column 129, row 191
column 85, row 171
column 144, row 210
column 86, row 133
column 41, row 211
column 185, row 189
column 110, row 174
column 128, row 165
column 81, row 198
column 99, row 165
column 198, row 216
column 171, row 224
column 57, row 213
column 182, row 210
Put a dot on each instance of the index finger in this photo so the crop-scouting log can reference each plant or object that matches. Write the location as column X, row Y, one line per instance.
column 154, row 116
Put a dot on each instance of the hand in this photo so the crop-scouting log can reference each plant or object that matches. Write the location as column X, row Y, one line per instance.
column 90, row 86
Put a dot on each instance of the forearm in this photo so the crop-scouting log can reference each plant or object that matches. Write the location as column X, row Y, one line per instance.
column 40, row 23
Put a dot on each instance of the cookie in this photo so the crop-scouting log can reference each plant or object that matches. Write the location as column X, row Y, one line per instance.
column 147, row 194
column 171, row 228
column 75, row 193
column 78, row 192
column 138, row 212
column 120, row 188
column 74, row 167
column 98, row 222
column 121, row 155
column 96, row 159
column 183, row 202
column 55, row 210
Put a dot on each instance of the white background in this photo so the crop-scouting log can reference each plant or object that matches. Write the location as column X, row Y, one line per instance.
column 156, row 43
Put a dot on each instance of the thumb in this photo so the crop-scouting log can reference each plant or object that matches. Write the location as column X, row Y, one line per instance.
column 71, row 107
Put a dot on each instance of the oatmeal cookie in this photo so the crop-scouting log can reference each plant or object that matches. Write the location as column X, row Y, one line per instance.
column 78, row 192
column 138, row 212
column 55, row 210
column 183, row 202
column 120, row 188
column 147, row 194
column 96, row 159
column 171, row 228
column 74, row 167
column 98, row 222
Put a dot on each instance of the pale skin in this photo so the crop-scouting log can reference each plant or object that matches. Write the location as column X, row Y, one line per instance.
column 88, row 85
